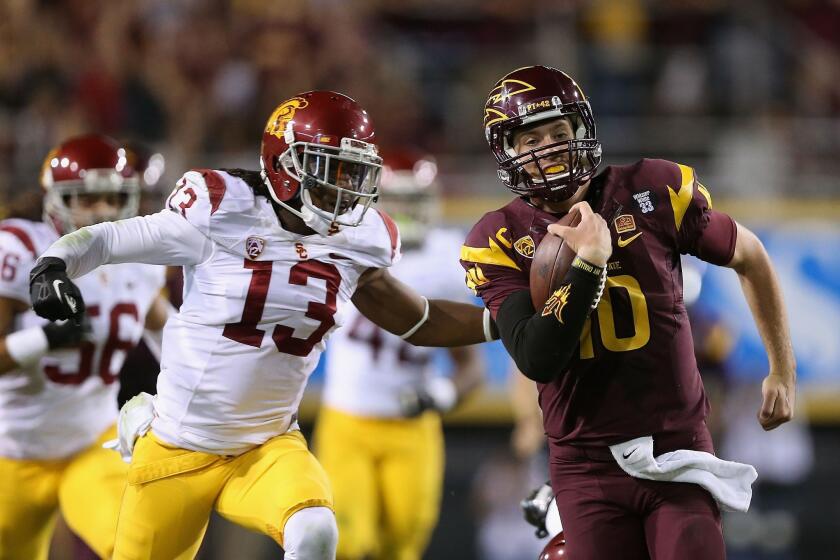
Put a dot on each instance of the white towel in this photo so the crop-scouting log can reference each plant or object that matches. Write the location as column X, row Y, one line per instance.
column 729, row 483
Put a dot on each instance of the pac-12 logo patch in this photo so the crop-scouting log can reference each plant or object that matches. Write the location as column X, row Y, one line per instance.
column 254, row 246
column 624, row 223
column 525, row 246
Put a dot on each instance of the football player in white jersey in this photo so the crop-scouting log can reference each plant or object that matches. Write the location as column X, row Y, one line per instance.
column 270, row 259
column 379, row 434
column 58, row 380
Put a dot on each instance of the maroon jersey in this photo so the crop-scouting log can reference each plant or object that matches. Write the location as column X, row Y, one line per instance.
column 634, row 372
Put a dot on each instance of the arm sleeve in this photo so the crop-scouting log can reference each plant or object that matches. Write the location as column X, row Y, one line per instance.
column 542, row 342
column 163, row 238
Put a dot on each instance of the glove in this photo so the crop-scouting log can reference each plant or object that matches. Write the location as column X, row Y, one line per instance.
column 136, row 416
column 535, row 508
column 54, row 296
column 67, row 334
column 438, row 393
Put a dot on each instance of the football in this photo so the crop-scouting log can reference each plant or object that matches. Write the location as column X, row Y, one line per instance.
column 552, row 260
column 556, row 548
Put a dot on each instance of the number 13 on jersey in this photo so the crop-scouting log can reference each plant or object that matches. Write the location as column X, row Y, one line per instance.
column 246, row 332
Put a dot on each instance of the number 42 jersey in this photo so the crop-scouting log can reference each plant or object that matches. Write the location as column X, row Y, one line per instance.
column 634, row 373
column 259, row 304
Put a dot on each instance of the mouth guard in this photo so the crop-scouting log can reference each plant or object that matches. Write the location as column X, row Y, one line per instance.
column 554, row 169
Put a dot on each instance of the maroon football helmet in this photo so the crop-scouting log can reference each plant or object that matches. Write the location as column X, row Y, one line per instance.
column 528, row 96
column 89, row 165
column 555, row 549
column 319, row 145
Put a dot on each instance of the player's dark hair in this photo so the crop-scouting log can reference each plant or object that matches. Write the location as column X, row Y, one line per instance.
column 252, row 179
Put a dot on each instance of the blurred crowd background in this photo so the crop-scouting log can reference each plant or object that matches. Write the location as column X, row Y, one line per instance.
column 747, row 92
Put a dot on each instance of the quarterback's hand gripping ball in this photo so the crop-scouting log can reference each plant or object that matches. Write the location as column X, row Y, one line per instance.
column 54, row 296
column 552, row 261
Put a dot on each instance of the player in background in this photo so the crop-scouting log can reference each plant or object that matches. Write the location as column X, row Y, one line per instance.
column 271, row 260
column 142, row 365
column 379, row 433
column 618, row 386
column 58, row 380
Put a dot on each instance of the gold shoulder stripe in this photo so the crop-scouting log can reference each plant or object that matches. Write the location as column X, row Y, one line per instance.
column 489, row 255
column 680, row 200
column 476, row 278
column 705, row 193
column 500, row 235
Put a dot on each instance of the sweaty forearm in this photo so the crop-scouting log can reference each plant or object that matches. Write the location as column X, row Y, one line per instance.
column 542, row 342
column 450, row 323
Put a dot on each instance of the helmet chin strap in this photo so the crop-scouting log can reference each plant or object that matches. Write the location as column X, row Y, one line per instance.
column 310, row 218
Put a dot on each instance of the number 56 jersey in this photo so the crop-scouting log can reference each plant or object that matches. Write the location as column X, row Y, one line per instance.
column 259, row 303
column 60, row 405
column 634, row 372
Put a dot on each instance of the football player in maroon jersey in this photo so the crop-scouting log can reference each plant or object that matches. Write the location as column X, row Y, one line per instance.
column 618, row 366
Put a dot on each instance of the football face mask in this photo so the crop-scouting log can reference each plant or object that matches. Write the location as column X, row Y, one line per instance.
column 335, row 181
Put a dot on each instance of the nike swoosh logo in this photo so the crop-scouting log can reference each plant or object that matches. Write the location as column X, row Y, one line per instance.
column 625, row 242
column 70, row 300
column 627, row 455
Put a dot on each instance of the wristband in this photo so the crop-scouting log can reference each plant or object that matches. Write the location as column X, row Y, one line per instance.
column 582, row 264
column 486, row 322
column 419, row 323
column 600, row 271
column 27, row 346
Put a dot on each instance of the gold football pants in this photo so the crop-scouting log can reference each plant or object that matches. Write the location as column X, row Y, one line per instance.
column 386, row 476
column 172, row 491
column 86, row 487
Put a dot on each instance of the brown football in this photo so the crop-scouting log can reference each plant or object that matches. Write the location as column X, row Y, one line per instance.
column 552, row 261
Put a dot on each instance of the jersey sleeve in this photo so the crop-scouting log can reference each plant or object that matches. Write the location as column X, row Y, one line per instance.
column 375, row 243
column 696, row 228
column 197, row 197
column 163, row 238
column 17, row 255
column 487, row 257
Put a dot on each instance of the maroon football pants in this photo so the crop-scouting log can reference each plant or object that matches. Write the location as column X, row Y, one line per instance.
column 608, row 514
